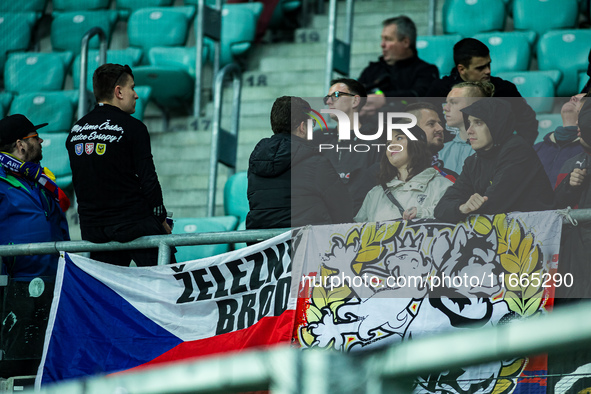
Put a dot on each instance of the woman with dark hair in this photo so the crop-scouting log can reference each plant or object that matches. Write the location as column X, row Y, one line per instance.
column 408, row 186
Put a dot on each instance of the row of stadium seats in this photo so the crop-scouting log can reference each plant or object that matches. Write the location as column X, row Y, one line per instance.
column 564, row 50
column 539, row 16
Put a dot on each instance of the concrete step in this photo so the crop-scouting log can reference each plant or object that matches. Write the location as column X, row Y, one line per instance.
column 274, row 64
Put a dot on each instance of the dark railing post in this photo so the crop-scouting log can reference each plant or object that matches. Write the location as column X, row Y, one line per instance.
column 83, row 94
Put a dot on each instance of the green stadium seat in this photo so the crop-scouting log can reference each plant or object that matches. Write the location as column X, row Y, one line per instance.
column 159, row 26
column 37, row 6
column 144, row 93
column 544, row 15
column 35, row 71
column 55, row 157
column 510, row 51
column 5, row 100
column 583, row 79
column 127, row 7
column 438, row 50
column 80, row 5
column 567, row 51
column 68, row 28
column 469, row 17
column 54, row 108
column 547, row 123
column 129, row 56
column 15, row 33
column 537, row 87
column 279, row 18
column 202, row 225
column 235, row 199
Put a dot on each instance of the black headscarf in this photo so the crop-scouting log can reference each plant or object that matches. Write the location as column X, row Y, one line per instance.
column 497, row 115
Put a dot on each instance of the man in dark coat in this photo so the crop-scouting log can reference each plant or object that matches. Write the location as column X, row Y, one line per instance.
column 504, row 175
column 290, row 183
column 472, row 59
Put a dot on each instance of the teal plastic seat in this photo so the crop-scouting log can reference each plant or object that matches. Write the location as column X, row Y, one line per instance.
column 55, row 157
column 144, row 93
column 5, row 100
column 159, row 26
column 80, row 5
column 510, row 51
column 567, row 51
column 202, row 225
column 537, row 87
column 469, row 17
column 68, row 28
column 15, row 33
column 438, row 50
column 127, row 7
column 235, row 199
column 129, row 56
column 34, row 71
column 280, row 17
column 54, row 108
column 547, row 123
column 541, row 16
column 583, row 80
column 37, row 6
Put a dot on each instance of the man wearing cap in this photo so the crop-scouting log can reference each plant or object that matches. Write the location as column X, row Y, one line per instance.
column 119, row 196
column 29, row 212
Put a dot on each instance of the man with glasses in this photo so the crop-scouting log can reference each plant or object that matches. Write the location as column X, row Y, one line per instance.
column 30, row 211
column 356, row 166
column 119, row 196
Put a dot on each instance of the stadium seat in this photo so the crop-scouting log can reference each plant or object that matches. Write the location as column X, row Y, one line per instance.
column 235, row 200
column 54, row 108
column 80, row 5
column 55, row 157
column 34, row 71
column 144, row 93
column 509, row 51
column 544, row 15
column 37, row 6
column 537, row 87
column 202, row 225
column 129, row 56
column 567, row 51
column 547, row 123
column 159, row 26
column 5, row 100
column 583, row 79
column 279, row 17
column 15, row 33
column 437, row 50
column 469, row 17
column 68, row 28
column 127, row 7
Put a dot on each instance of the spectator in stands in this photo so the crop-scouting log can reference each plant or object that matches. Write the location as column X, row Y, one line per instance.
column 408, row 187
column 119, row 196
column 455, row 152
column 472, row 63
column 429, row 121
column 563, row 143
column 290, row 183
column 504, row 175
column 30, row 212
column 358, row 170
column 399, row 72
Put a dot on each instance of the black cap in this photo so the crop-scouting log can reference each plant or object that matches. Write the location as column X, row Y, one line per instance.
column 16, row 126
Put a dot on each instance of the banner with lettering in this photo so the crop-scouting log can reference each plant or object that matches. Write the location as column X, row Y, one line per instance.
column 107, row 318
column 368, row 285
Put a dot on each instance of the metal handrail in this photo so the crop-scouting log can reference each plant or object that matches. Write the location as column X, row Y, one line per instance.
column 432, row 16
column 332, row 40
column 83, row 94
column 236, row 73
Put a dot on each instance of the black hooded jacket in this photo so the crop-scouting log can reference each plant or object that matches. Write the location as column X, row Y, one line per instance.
column 290, row 185
column 510, row 173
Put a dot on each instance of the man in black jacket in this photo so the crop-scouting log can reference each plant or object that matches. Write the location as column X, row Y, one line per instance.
column 472, row 59
column 119, row 196
column 290, row 183
column 504, row 175
column 399, row 72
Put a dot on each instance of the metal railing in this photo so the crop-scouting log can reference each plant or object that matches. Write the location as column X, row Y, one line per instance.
column 220, row 137
column 338, row 53
column 82, row 92
column 432, row 16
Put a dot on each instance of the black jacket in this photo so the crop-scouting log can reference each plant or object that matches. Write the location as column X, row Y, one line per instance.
column 510, row 174
column 567, row 195
column 112, row 168
column 410, row 77
column 290, row 185
column 526, row 123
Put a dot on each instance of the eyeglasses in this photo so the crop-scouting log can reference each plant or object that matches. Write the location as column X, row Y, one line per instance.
column 335, row 96
column 36, row 135
column 125, row 70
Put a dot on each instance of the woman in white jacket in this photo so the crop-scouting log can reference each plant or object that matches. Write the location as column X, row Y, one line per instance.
column 406, row 174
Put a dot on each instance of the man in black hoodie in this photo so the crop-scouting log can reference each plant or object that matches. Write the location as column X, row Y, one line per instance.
column 290, row 183
column 504, row 175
